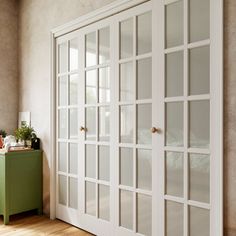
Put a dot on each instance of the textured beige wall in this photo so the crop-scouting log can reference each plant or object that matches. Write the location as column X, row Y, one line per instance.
column 8, row 65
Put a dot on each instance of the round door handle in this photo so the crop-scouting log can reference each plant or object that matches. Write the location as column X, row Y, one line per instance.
column 154, row 130
column 83, row 129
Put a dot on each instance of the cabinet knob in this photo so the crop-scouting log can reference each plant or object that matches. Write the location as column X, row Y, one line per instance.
column 83, row 129
column 154, row 130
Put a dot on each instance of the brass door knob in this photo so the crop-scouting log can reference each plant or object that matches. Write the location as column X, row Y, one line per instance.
column 154, row 130
column 83, row 129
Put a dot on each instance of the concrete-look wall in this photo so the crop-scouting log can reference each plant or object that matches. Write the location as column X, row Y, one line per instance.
column 8, row 65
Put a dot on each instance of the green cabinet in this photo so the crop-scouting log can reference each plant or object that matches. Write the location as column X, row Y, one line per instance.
column 20, row 182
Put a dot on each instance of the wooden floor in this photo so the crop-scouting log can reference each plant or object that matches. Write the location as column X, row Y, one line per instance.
column 28, row 224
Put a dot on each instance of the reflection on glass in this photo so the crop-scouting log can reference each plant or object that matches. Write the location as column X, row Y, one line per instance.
column 144, row 77
column 73, row 124
column 126, row 166
column 104, row 123
column 73, row 89
column 104, row 44
column 74, row 54
column 91, row 123
column 174, row 124
column 199, row 177
column 91, row 49
column 174, row 74
column 104, row 163
column 104, row 85
column 104, row 202
column 63, row 58
column 62, row 157
column 73, row 193
column 90, row 198
column 90, row 161
column 174, row 24
column 126, row 38
column 126, row 124
column 144, row 168
column 174, row 173
column 73, row 158
column 62, row 95
column 199, row 124
column 144, row 28
column 62, row 123
column 91, row 86
column 62, row 189
column 126, row 82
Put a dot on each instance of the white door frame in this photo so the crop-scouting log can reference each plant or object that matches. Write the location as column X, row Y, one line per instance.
column 216, row 71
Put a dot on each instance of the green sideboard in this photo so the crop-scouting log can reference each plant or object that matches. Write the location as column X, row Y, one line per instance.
column 20, row 182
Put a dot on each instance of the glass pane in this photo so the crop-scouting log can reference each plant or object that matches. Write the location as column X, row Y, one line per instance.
column 90, row 161
column 199, row 12
column 73, row 89
column 91, row 123
column 126, row 38
column 144, row 121
column 144, row 78
column 104, row 123
column 144, row 169
column 90, row 198
column 74, row 54
column 126, row 166
column 63, row 58
column 174, row 173
column 199, row 60
column 104, row 85
column 73, row 193
column 199, row 124
column 199, row 221
column 174, row 24
column 62, row 189
column 91, row 86
column 104, row 163
column 62, row 123
column 73, row 158
column 174, row 219
column 62, row 157
column 62, row 95
column 199, row 171
column 104, row 44
column 126, row 209
column 144, row 219
column 174, row 74
column 104, row 202
column 144, row 28
column 91, row 59
column 126, row 124
column 73, row 123
column 174, row 124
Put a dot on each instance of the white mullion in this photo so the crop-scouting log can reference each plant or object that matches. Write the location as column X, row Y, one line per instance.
column 174, row 49
column 174, row 199
column 144, row 101
column 174, row 99
column 199, row 44
column 199, row 204
column 126, row 60
column 143, row 56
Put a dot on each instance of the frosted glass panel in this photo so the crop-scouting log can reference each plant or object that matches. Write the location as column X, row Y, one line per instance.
column 144, row 121
column 63, row 55
column 199, row 171
column 174, row 219
column 144, row 169
column 62, row 95
column 91, row 86
column 104, row 85
column 126, row 38
column 174, row 74
column 104, row 123
column 126, row 209
column 62, row 157
column 104, row 163
column 144, row 219
column 144, row 78
column 199, row 70
column 126, row 166
column 73, row 158
column 126, row 124
column 90, row 198
column 104, row 44
column 144, row 28
column 62, row 189
column 199, row 119
column 104, row 202
column 73, row 90
column 174, row 24
column 174, row 173
column 62, row 123
column 126, row 82
column 73, row 123
column 174, row 124
column 91, row 123
column 199, row 16
column 199, row 221
column 91, row 49
column 74, row 54
column 73, row 193
column 90, row 161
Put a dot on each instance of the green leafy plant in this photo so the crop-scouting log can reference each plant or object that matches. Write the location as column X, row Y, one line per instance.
column 3, row 133
column 25, row 133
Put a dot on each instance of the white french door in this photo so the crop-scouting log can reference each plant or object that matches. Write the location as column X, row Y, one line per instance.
column 137, row 103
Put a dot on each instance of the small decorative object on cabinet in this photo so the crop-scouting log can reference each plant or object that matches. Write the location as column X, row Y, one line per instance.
column 20, row 182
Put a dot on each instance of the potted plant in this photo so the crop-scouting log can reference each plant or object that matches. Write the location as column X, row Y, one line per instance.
column 25, row 134
column 3, row 133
